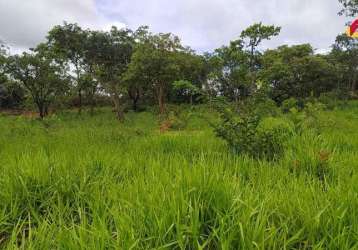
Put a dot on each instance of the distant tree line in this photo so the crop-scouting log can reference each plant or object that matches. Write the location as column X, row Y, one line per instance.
column 133, row 69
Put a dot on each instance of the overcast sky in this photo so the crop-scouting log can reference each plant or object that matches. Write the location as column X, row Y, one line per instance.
column 202, row 24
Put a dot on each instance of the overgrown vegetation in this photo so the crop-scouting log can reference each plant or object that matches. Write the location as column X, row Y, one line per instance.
column 90, row 182
column 235, row 149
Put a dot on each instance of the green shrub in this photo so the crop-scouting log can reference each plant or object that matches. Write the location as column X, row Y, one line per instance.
column 175, row 119
column 334, row 99
column 289, row 104
column 272, row 133
column 251, row 135
column 312, row 113
column 178, row 121
column 308, row 118
column 329, row 100
column 266, row 108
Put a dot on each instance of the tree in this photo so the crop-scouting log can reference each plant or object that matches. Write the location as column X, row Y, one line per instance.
column 345, row 53
column 191, row 68
column 135, row 87
column 40, row 76
column 154, row 62
column 252, row 38
column 296, row 72
column 69, row 41
column 3, row 59
column 3, row 77
column 186, row 88
column 231, row 70
column 11, row 94
column 350, row 7
column 90, row 86
column 110, row 56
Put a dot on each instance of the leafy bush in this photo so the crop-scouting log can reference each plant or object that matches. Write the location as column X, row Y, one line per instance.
column 251, row 135
column 272, row 133
column 266, row 108
column 175, row 120
column 261, row 104
column 329, row 100
column 333, row 99
column 308, row 118
column 178, row 120
column 289, row 104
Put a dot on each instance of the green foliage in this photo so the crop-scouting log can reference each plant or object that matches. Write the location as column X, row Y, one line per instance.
column 41, row 78
column 272, row 136
column 89, row 182
column 257, row 32
column 176, row 118
column 329, row 99
column 260, row 104
column 344, row 56
column 69, row 45
column 230, row 70
column 309, row 118
column 186, row 88
column 247, row 133
column 179, row 119
column 122, row 65
column 252, row 37
column 296, row 72
column 155, row 63
column 289, row 104
column 110, row 54
column 12, row 95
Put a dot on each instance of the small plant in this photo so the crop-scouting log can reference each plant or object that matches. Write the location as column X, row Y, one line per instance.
column 322, row 165
column 267, row 108
column 249, row 134
column 175, row 120
column 308, row 118
column 289, row 104
column 272, row 134
column 333, row 99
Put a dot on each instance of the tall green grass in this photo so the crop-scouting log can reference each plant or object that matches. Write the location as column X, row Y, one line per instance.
column 92, row 183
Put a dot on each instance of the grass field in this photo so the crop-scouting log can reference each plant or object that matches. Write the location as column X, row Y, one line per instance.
column 92, row 183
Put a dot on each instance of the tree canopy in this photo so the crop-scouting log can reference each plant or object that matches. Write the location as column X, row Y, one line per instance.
column 138, row 68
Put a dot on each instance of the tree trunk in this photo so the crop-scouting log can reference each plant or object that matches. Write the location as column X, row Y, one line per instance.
column 161, row 99
column 118, row 107
column 41, row 109
column 191, row 100
column 46, row 110
column 134, row 94
column 354, row 84
column 93, row 101
column 135, row 104
column 252, row 70
column 79, row 101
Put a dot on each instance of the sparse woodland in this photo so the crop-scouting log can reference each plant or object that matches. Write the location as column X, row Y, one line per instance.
column 126, row 139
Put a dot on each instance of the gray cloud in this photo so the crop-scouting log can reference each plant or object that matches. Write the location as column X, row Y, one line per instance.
column 206, row 24
column 23, row 24
column 202, row 24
